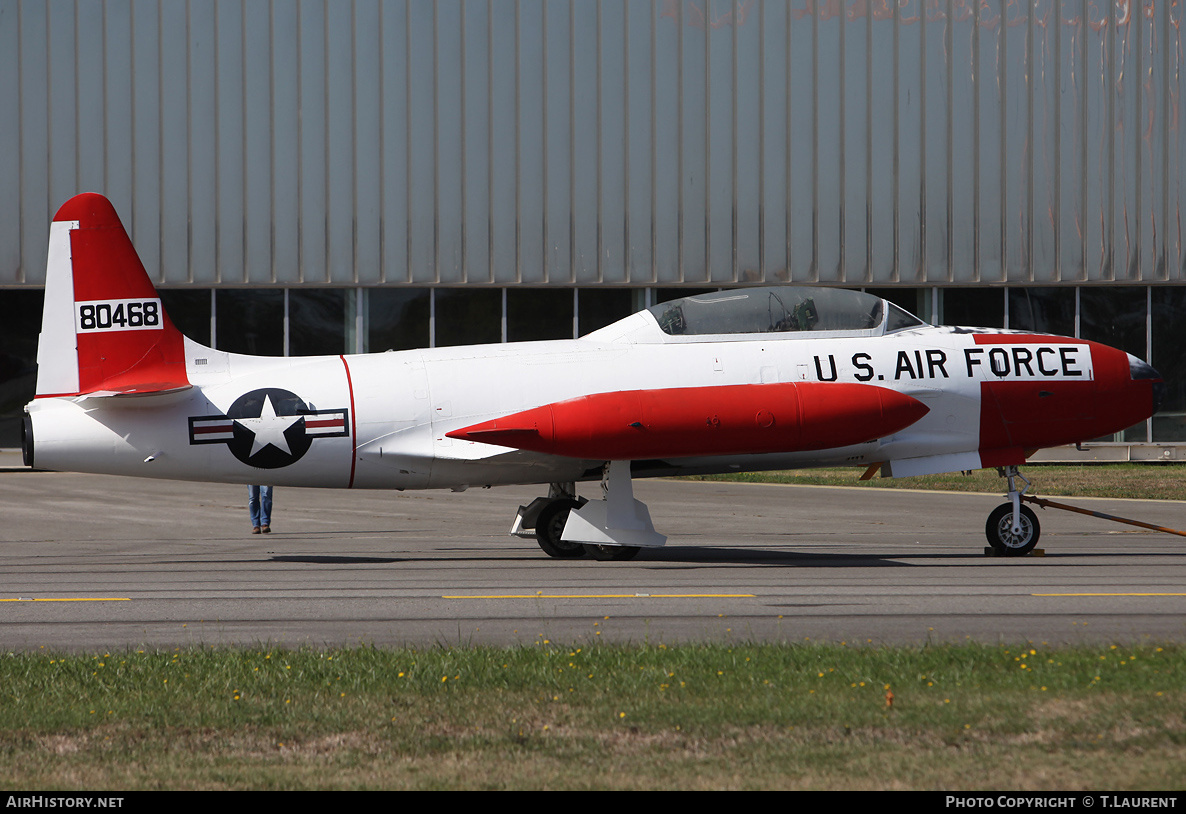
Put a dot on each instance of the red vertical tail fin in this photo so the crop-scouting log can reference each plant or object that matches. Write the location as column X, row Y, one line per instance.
column 103, row 329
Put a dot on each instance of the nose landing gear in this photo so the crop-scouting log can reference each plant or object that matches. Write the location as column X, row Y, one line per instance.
column 1001, row 536
column 1012, row 529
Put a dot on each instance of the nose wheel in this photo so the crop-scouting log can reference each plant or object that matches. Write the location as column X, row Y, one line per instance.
column 1012, row 528
column 1002, row 536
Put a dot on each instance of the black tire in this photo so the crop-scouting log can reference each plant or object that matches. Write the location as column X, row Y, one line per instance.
column 549, row 525
column 606, row 553
column 999, row 530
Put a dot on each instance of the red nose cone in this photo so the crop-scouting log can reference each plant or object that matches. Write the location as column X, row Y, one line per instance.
column 1111, row 393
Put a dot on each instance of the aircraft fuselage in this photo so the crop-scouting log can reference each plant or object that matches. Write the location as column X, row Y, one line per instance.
column 380, row 421
column 756, row 378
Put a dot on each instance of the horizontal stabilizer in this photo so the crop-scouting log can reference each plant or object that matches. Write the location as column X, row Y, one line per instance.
column 151, row 391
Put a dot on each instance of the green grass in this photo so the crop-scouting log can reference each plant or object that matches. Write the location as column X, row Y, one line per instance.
column 1145, row 481
column 645, row 717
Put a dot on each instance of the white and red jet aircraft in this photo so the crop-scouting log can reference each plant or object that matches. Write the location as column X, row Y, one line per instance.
column 757, row 378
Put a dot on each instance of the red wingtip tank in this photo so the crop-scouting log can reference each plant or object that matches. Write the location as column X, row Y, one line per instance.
column 700, row 421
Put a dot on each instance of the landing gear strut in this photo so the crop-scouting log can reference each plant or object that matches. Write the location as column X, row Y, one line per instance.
column 1012, row 529
column 614, row 528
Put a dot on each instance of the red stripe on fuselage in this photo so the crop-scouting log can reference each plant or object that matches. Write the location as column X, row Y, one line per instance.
column 224, row 427
column 330, row 422
column 353, row 423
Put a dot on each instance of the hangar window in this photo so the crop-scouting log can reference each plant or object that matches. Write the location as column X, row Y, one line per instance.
column 779, row 310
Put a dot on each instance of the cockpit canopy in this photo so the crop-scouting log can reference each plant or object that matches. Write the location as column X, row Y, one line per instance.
column 784, row 309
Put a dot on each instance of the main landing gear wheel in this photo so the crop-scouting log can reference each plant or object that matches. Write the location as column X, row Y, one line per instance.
column 605, row 553
column 550, row 525
column 999, row 530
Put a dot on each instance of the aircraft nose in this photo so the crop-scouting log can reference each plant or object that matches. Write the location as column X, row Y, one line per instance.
column 1138, row 370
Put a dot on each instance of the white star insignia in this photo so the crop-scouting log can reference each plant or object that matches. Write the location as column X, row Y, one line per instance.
column 269, row 428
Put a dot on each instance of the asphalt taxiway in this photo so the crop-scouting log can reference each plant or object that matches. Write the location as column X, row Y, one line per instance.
column 99, row 562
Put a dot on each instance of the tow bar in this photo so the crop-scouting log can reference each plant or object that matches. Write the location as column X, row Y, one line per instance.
column 1037, row 501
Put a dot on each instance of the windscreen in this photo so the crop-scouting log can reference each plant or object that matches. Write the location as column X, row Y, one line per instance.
column 900, row 320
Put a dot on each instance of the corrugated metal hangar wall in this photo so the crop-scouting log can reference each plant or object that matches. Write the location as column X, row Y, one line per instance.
column 603, row 141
